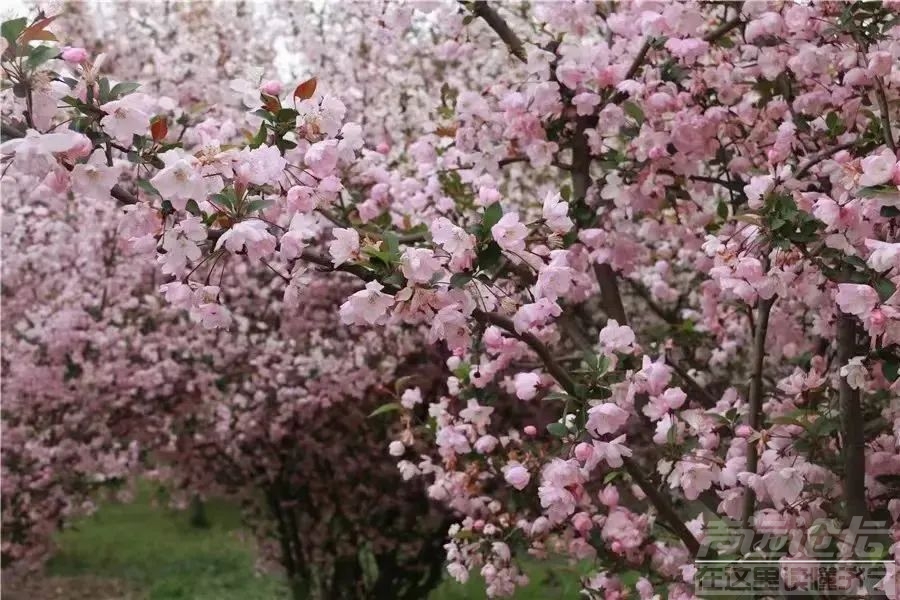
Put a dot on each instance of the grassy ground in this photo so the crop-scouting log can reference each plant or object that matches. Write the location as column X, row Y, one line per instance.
column 144, row 551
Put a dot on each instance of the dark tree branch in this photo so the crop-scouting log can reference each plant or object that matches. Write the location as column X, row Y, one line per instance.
column 723, row 29
column 755, row 397
column 819, row 157
column 853, row 434
column 482, row 9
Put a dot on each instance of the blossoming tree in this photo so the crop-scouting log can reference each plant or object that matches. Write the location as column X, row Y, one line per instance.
column 669, row 230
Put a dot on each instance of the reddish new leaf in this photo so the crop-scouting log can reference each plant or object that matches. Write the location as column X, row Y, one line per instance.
column 159, row 129
column 271, row 103
column 37, row 31
column 306, row 89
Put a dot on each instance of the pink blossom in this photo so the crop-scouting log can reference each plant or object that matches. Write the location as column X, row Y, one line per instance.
column 322, row 158
column 419, row 265
column 477, row 415
column 606, row 418
column 758, row 188
column 272, row 87
column 878, row 169
column 855, row 372
column 612, row 451
column 486, row 444
column 535, row 314
column 411, row 398
column 366, row 307
column 688, row 49
column 616, row 338
column 94, row 179
column 856, row 299
column 526, row 385
column 784, row 486
column 345, row 245
column 124, row 119
column 558, row 477
column 693, row 476
column 880, row 63
column 884, row 256
column 251, row 235
column 556, row 213
column 74, row 55
column 516, row 475
column 670, row 400
column 396, row 448
column 179, row 181
column 509, row 233
column 259, row 166
column 585, row 103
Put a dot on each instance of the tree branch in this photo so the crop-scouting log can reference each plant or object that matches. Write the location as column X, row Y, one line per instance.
column 819, row 157
column 852, row 431
column 706, row 399
column 561, row 375
column 12, row 130
column 661, row 503
column 484, row 10
column 581, row 182
column 723, row 29
column 885, row 115
column 755, row 397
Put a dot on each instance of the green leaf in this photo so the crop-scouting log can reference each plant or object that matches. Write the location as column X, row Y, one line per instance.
column 224, row 200
column 871, row 192
column 634, row 111
column 891, row 369
column 889, row 212
column 722, row 210
column 785, row 420
column 492, row 215
column 885, row 288
column 260, row 204
column 193, row 208
column 490, row 256
column 260, row 136
column 392, row 244
column 557, row 430
column 39, row 55
column 12, row 29
column 630, row 578
column 122, row 89
column 385, row 408
column 459, row 280
column 835, row 124
column 103, row 90
column 611, row 476
column 286, row 115
column 148, row 188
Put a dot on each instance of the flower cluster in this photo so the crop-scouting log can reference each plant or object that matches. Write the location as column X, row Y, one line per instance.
column 659, row 242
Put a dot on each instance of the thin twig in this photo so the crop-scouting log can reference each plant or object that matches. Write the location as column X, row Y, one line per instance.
column 11, row 130
column 885, row 115
column 490, row 16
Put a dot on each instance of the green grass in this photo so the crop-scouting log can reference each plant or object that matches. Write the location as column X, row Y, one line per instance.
column 157, row 552
column 554, row 580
